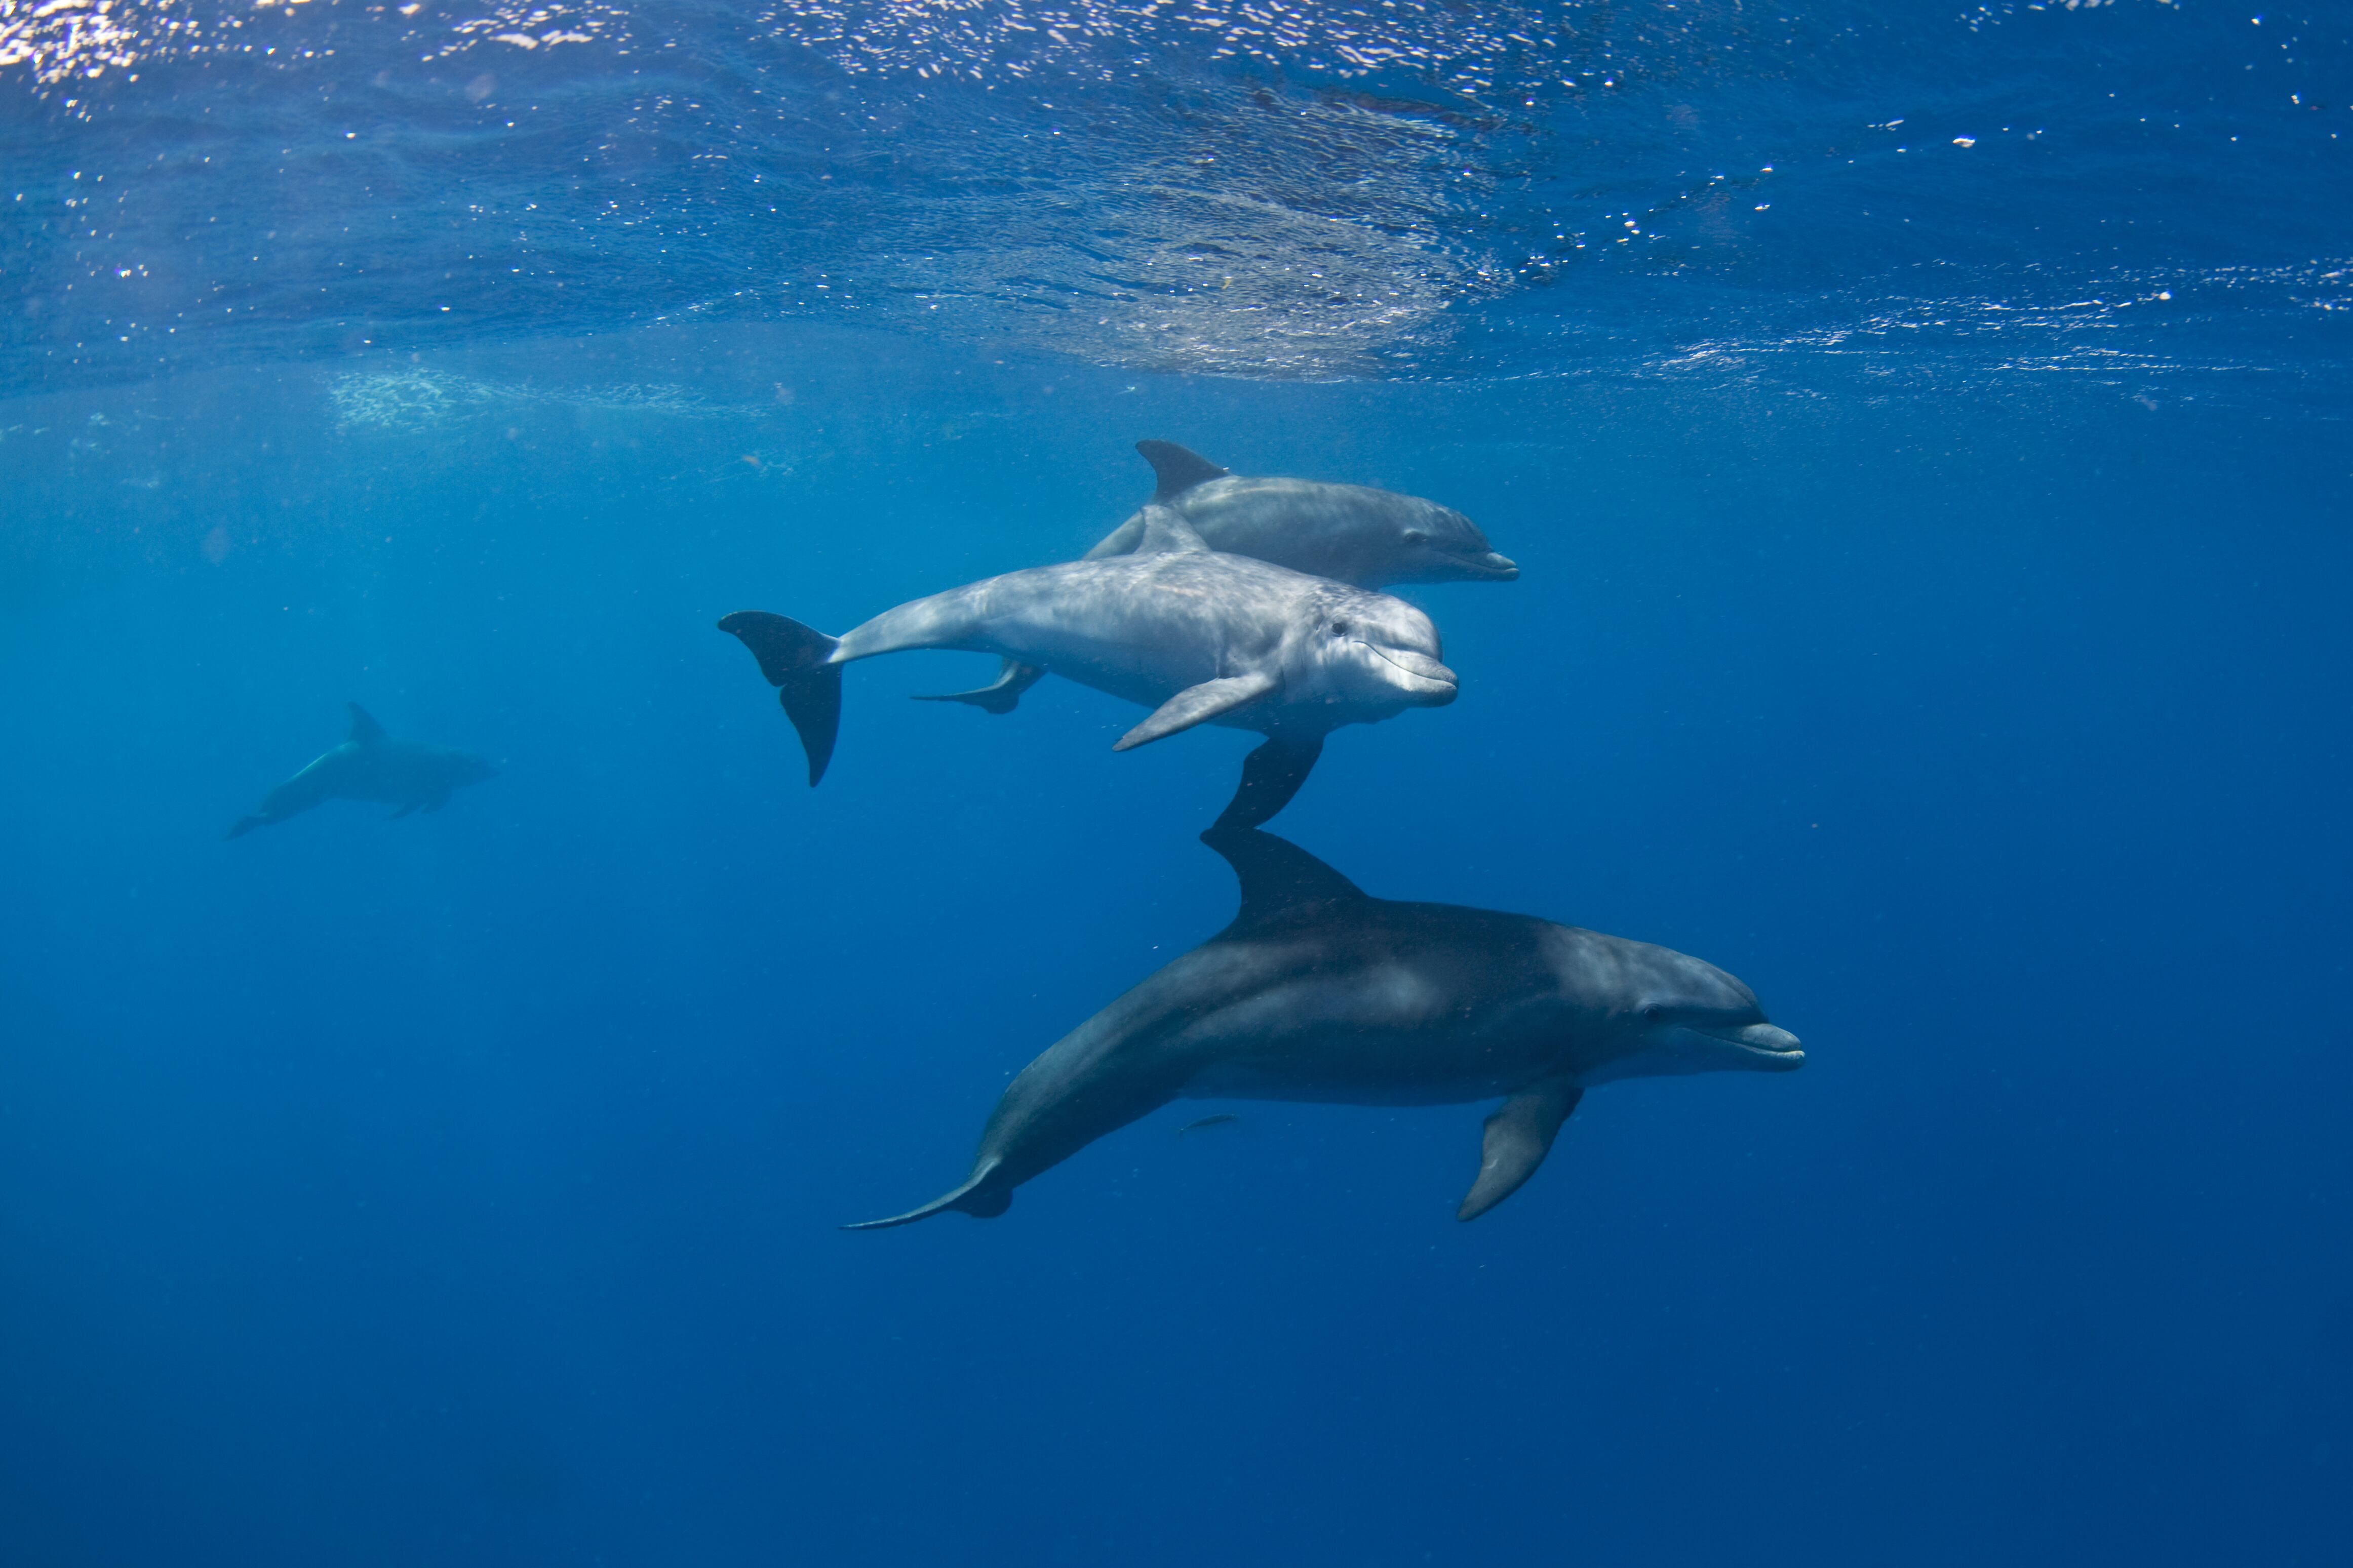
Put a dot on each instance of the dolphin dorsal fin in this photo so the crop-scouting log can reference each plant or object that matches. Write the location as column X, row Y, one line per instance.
column 1166, row 533
column 1277, row 876
column 1179, row 469
column 366, row 730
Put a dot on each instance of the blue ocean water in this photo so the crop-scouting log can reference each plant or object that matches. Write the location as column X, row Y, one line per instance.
column 1923, row 435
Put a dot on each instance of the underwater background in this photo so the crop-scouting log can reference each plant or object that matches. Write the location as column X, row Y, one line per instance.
column 1923, row 432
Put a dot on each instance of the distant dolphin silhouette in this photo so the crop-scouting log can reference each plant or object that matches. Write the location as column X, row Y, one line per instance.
column 1198, row 636
column 371, row 765
column 1350, row 534
column 1318, row 991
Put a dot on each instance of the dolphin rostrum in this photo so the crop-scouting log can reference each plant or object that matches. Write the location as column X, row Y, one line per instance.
column 1319, row 992
column 372, row 765
column 1350, row 534
column 1195, row 634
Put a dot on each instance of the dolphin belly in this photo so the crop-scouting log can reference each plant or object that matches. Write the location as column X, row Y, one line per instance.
column 1255, row 1079
column 1344, row 1065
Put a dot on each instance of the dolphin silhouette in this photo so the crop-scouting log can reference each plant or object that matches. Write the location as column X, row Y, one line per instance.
column 371, row 765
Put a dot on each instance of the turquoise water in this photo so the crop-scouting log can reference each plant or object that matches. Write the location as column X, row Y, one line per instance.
column 1933, row 557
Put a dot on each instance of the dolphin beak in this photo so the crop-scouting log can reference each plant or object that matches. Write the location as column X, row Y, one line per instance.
column 1778, row 1048
column 1427, row 678
column 1501, row 568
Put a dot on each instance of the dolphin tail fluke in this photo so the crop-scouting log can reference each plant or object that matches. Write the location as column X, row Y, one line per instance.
column 244, row 825
column 1516, row 1140
column 977, row 1197
column 999, row 695
column 792, row 656
column 1271, row 776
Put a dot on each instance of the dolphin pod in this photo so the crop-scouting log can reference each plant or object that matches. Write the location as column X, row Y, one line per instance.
column 371, row 765
column 1320, row 992
column 1253, row 603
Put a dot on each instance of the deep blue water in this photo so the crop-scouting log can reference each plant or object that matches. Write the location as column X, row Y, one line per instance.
column 1932, row 612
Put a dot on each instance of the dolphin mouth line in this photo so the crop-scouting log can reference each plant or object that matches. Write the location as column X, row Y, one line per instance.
column 1435, row 673
column 1500, row 568
column 1766, row 1040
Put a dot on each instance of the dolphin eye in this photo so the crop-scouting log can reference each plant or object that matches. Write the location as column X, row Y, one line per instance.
column 1416, row 536
column 1341, row 628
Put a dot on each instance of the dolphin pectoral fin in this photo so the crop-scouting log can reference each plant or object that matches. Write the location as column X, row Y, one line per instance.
column 1517, row 1139
column 1271, row 776
column 244, row 825
column 792, row 656
column 976, row 1197
column 1197, row 704
column 403, row 811
column 434, row 803
column 1177, row 468
column 999, row 695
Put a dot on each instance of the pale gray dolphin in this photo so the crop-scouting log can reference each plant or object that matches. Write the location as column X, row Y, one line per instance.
column 1350, row 534
column 1318, row 991
column 1196, row 635
column 372, row 765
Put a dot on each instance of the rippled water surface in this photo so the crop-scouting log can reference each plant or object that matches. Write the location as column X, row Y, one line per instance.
column 2144, row 191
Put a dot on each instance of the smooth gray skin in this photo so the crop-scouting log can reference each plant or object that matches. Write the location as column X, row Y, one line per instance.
column 1196, row 635
column 371, row 765
column 1349, row 533
column 1318, row 991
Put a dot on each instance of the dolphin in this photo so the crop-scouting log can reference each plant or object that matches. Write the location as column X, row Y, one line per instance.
column 1196, row 635
column 371, row 765
column 1350, row 534
column 1320, row 992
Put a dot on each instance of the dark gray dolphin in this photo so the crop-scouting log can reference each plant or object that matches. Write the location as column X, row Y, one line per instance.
column 1350, row 534
column 1195, row 634
column 372, row 765
column 1318, row 991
